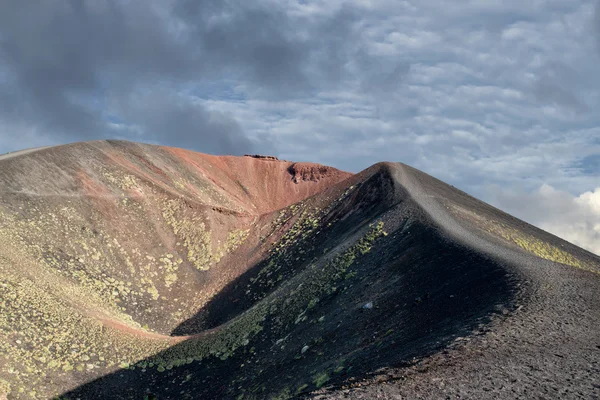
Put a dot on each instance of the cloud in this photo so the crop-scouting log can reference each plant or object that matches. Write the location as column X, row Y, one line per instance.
column 62, row 66
column 589, row 165
column 596, row 24
column 160, row 117
column 481, row 93
column 573, row 218
column 61, row 54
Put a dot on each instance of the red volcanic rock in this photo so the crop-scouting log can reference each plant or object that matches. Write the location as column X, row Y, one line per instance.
column 309, row 172
column 258, row 186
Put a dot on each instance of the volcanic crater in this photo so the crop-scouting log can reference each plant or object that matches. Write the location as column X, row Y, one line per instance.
column 133, row 271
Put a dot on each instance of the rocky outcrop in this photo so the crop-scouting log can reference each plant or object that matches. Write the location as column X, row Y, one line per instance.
column 261, row 157
column 309, row 172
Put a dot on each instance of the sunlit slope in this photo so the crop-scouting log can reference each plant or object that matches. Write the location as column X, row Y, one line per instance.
column 106, row 244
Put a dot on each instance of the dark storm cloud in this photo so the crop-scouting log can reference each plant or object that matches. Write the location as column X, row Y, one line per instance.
column 382, row 78
column 547, row 91
column 272, row 51
column 63, row 60
column 255, row 42
column 161, row 116
column 558, row 84
column 57, row 49
column 62, row 57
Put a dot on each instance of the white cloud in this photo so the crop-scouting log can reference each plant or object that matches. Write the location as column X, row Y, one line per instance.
column 573, row 218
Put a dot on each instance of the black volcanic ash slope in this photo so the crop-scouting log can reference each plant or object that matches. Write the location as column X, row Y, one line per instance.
column 548, row 347
column 363, row 279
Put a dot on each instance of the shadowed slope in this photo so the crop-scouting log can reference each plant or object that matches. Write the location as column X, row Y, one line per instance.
column 362, row 279
column 369, row 273
column 548, row 347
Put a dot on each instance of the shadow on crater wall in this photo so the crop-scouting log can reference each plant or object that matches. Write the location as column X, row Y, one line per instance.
column 340, row 305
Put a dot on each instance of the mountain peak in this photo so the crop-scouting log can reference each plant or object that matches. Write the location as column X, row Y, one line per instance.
column 132, row 270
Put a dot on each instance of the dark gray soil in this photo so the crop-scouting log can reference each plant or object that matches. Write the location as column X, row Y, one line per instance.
column 548, row 348
column 439, row 308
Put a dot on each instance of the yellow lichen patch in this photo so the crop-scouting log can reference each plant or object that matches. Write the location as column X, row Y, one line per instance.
column 153, row 292
column 170, row 278
column 234, row 240
column 43, row 334
column 292, row 298
column 525, row 241
column 180, row 183
column 4, row 389
column 100, row 265
column 540, row 248
column 193, row 235
column 169, row 268
column 124, row 182
column 192, row 232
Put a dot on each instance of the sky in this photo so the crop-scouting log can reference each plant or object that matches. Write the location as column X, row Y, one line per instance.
column 498, row 98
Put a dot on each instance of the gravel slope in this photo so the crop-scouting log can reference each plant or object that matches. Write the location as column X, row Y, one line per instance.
column 548, row 348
